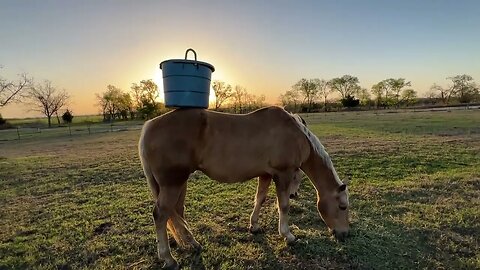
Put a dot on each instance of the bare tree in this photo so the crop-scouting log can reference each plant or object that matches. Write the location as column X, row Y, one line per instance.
column 444, row 93
column 223, row 92
column 239, row 98
column 323, row 90
column 11, row 90
column 47, row 99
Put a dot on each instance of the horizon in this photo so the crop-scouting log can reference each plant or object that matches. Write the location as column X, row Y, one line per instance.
column 265, row 47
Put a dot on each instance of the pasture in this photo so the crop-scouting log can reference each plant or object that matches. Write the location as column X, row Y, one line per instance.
column 82, row 202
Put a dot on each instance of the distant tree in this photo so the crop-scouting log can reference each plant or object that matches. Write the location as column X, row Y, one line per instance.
column 47, row 99
column 223, row 92
column 110, row 102
column 12, row 90
column 144, row 98
column 239, row 98
column 364, row 96
column 408, row 97
column 388, row 92
column 346, row 85
column 379, row 90
column 290, row 100
column 397, row 86
column 67, row 116
column 323, row 91
column 464, row 88
column 445, row 94
column 309, row 90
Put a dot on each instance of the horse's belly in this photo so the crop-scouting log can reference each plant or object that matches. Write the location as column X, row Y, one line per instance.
column 231, row 174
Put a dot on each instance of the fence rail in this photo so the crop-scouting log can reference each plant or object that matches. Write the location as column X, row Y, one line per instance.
column 22, row 133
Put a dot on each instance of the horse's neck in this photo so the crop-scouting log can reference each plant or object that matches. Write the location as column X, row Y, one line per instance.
column 321, row 173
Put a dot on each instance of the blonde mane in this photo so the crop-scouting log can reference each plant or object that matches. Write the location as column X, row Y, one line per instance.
column 316, row 145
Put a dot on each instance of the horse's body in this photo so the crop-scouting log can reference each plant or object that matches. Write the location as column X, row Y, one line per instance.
column 268, row 143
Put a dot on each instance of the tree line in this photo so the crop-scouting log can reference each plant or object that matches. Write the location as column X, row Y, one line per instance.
column 309, row 95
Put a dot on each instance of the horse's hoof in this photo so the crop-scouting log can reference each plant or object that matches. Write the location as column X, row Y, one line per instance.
column 290, row 239
column 254, row 230
column 173, row 266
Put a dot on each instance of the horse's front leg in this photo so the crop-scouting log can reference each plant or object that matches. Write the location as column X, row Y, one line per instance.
column 261, row 196
column 282, row 183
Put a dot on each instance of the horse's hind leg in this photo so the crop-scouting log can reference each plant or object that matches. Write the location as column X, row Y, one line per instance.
column 281, row 186
column 163, row 209
column 178, row 225
column 261, row 196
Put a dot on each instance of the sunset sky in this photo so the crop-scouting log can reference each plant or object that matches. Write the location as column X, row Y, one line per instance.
column 265, row 46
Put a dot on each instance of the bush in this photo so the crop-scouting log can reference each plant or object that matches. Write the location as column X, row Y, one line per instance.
column 350, row 101
column 4, row 124
column 67, row 117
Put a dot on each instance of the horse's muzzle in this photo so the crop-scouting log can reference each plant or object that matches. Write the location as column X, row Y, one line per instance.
column 340, row 236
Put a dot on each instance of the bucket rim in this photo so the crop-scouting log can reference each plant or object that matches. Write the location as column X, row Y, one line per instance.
column 184, row 61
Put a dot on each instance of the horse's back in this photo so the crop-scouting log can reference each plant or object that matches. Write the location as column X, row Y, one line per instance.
column 227, row 147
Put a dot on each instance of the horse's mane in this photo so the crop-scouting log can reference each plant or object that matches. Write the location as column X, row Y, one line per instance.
column 316, row 145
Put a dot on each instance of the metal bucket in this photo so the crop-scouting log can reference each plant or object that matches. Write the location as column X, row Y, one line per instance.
column 186, row 83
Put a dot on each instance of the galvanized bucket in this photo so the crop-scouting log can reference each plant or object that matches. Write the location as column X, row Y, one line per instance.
column 186, row 83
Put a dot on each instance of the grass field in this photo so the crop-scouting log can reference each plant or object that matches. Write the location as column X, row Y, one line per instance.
column 81, row 202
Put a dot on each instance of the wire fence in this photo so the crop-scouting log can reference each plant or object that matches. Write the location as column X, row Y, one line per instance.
column 24, row 133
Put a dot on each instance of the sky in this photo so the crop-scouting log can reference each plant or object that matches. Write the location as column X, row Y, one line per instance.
column 264, row 46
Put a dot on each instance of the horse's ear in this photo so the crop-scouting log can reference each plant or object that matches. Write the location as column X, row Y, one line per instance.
column 342, row 188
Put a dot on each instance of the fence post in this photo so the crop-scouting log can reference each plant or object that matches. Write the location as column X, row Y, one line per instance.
column 18, row 133
column 69, row 130
column 111, row 127
column 88, row 127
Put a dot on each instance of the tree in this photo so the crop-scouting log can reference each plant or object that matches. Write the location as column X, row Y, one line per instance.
column 144, row 98
column 309, row 89
column 397, row 85
column 323, row 90
column 378, row 91
column 464, row 88
column 290, row 100
column 67, row 116
column 388, row 91
column 444, row 93
column 239, row 98
column 110, row 102
column 346, row 85
column 364, row 97
column 47, row 99
column 223, row 92
column 10, row 90
column 408, row 96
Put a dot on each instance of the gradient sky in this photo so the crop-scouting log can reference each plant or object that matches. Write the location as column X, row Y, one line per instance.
column 265, row 46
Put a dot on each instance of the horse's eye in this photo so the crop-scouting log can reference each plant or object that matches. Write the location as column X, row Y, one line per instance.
column 342, row 207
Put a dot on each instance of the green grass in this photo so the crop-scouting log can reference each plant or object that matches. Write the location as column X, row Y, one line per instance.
column 82, row 202
column 42, row 122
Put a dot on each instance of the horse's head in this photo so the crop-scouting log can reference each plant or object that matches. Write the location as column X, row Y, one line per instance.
column 333, row 209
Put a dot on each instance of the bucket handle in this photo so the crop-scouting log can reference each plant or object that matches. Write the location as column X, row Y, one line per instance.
column 194, row 53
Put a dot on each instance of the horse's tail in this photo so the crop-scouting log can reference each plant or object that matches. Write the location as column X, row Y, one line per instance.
column 152, row 182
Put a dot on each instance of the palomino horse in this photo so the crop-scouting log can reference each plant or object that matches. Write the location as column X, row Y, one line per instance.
column 269, row 143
